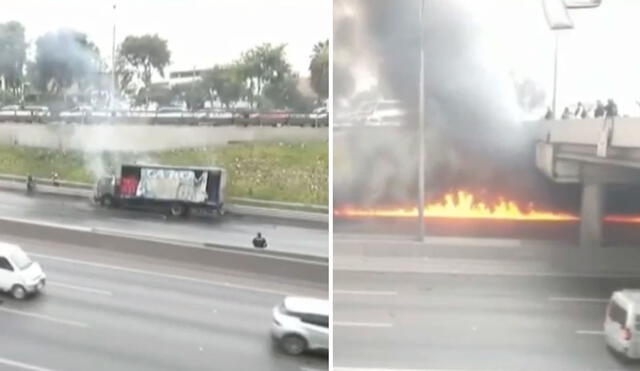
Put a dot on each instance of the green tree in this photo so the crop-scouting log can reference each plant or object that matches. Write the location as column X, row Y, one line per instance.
column 319, row 68
column 13, row 49
column 193, row 93
column 225, row 84
column 144, row 55
column 63, row 58
column 284, row 94
column 262, row 65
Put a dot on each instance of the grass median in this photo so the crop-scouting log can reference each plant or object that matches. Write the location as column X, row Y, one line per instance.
column 279, row 171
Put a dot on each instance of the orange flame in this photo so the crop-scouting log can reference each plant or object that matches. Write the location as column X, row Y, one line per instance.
column 463, row 205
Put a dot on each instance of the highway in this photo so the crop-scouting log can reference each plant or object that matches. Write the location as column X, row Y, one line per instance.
column 228, row 230
column 464, row 310
column 120, row 304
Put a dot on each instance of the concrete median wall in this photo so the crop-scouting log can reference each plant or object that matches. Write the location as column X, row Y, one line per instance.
column 145, row 137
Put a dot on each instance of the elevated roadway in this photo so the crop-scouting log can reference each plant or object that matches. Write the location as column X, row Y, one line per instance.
column 594, row 153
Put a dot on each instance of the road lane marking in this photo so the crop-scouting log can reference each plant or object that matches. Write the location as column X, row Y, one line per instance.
column 372, row 293
column 23, row 366
column 590, row 332
column 239, row 250
column 45, row 317
column 361, row 324
column 47, row 224
column 156, row 274
column 400, row 369
column 578, row 300
column 80, row 288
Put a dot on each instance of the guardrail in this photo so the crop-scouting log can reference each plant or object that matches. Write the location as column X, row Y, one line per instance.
column 239, row 206
column 159, row 118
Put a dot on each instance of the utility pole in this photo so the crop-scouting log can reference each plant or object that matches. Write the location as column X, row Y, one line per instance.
column 421, row 131
column 555, row 75
column 113, row 63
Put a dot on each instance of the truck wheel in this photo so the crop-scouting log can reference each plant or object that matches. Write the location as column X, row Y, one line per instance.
column 106, row 201
column 178, row 210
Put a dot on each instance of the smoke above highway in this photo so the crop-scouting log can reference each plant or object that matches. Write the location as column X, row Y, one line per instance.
column 477, row 137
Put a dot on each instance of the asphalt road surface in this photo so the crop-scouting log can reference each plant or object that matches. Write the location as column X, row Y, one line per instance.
column 480, row 321
column 108, row 310
column 234, row 231
column 615, row 234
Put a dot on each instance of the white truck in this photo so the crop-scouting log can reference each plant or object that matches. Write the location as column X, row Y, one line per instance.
column 176, row 189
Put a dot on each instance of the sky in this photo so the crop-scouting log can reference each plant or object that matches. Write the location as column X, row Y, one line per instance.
column 200, row 33
column 597, row 59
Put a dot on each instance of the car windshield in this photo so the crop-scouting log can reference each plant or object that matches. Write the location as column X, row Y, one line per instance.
column 21, row 260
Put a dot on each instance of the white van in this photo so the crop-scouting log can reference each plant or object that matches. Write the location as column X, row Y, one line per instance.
column 622, row 323
column 19, row 275
column 301, row 324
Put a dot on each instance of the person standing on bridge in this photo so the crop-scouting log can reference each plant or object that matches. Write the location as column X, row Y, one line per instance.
column 599, row 112
column 611, row 109
column 580, row 111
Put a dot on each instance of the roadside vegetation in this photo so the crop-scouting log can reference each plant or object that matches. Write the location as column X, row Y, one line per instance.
column 288, row 172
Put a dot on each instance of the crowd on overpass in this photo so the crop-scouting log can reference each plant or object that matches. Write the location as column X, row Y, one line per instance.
column 582, row 111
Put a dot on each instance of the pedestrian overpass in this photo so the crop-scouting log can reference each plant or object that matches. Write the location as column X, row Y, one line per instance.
column 588, row 152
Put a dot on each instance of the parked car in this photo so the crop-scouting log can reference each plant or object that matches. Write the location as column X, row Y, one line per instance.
column 176, row 115
column 301, row 324
column 81, row 114
column 381, row 113
column 320, row 116
column 19, row 275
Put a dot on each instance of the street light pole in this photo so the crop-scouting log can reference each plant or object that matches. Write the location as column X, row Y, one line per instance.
column 421, row 131
column 555, row 75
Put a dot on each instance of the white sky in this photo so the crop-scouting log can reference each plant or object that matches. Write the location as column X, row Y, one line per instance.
column 598, row 59
column 199, row 32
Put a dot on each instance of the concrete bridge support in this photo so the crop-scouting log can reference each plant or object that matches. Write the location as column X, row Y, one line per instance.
column 592, row 214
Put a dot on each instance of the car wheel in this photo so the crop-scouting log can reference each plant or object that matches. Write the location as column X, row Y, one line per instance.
column 18, row 292
column 293, row 344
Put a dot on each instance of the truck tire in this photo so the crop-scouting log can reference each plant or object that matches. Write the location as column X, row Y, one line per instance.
column 220, row 211
column 106, row 201
column 178, row 209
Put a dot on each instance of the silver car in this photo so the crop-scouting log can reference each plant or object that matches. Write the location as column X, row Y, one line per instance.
column 301, row 324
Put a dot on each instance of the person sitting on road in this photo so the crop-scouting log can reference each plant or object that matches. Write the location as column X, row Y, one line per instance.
column 259, row 242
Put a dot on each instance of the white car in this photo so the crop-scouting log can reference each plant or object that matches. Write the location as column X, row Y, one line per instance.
column 386, row 113
column 19, row 275
column 301, row 324
column 622, row 323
